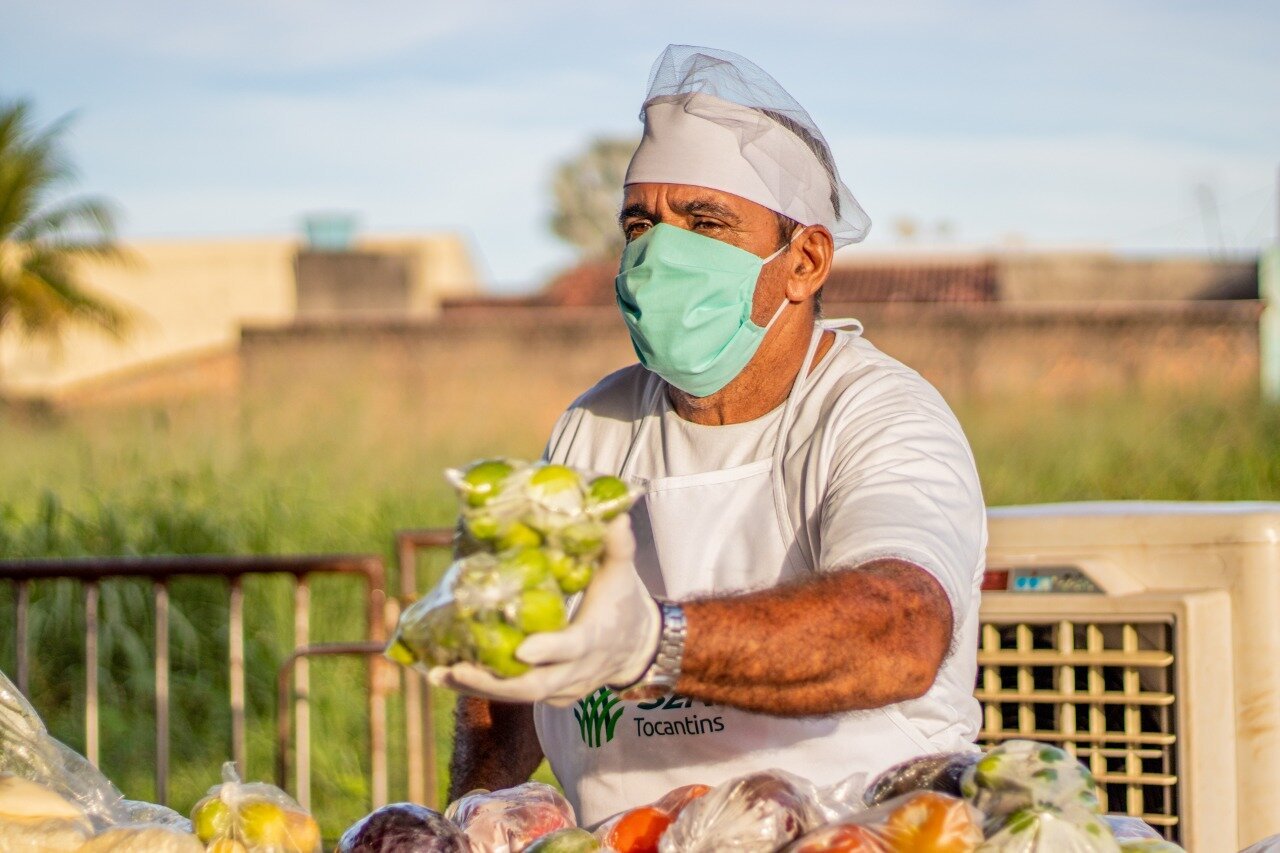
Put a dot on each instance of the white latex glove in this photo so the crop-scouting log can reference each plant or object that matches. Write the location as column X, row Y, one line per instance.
column 612, row 639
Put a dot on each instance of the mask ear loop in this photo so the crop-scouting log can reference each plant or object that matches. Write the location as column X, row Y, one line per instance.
column 794, row 234
column 781, row 249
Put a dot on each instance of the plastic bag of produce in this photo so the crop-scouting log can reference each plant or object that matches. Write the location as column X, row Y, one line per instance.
column 506, row 503
column 258, row 817
column 35, row 817
column 574, row 840
column 1037, row 797
column 536, row 535
column 923, row 820
column 640, row 829
column 939, row 772
column 1135, row 834
column 509, row 820
column 1048, row 829
column 143, row 839
column 1149, row 845
column 1022, row 774
column 403, row 828
column 757, row 813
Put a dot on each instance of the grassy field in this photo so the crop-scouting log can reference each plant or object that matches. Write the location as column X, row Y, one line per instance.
column 214, row 477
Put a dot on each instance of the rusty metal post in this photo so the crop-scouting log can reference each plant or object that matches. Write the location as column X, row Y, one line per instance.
column 377, row 632
column 420, row 735
column 20, row 642
column 417, row 737
column 284, row 719
column 302, row 691
column 91, row 745
column 235, row 646
column 162, row 692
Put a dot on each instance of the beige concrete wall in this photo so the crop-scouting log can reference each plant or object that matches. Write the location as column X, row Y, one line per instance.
column 477, row 371
column 999, row 350
column 483, row 376
column 186, row 297
column 190, row 299
column 1083, row 275
column 1043, row 277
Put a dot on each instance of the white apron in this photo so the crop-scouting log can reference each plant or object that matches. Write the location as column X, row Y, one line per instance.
column 716, row 532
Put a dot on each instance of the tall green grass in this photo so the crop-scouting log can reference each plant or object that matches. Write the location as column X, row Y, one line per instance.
column 218, row 477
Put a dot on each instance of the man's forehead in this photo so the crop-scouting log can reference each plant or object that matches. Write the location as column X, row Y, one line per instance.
column 690, row 198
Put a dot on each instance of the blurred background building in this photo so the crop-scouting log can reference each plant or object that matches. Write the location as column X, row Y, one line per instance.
column 191, row 297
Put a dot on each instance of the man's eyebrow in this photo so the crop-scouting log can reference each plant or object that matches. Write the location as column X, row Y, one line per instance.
column 637, row 210
column 707, row 207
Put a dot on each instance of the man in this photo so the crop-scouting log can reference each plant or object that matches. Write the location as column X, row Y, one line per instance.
column 801, row 588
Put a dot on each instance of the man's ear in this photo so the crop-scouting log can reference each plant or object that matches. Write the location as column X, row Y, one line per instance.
column 810, row 256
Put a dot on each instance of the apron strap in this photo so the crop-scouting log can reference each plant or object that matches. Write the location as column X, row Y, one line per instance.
column 848, row 324
column 779, row 451
column 648, row 413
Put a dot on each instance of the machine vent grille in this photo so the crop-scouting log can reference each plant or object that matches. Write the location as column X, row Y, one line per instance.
column 1103, row 691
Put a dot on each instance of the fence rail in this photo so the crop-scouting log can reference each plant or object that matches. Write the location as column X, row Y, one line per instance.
column 293, row 720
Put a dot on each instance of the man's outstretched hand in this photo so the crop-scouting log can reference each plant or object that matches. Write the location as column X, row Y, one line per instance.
column 611, row 641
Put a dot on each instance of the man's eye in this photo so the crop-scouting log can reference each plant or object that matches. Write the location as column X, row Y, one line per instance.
column 634, row 229
column 707, row 225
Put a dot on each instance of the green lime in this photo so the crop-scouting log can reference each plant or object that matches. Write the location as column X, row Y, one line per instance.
column 211, row 818
column 529, row 564
column 552, row 479
column 401, row 653
column 482, row 526
column 449, row 635
column 496, row 644
column 572, row 575
column 518, row 535
column 582, row 539
column 541, row 610
column 556, row 488
column 608, row 491
column 484, row 479
column 986, row 770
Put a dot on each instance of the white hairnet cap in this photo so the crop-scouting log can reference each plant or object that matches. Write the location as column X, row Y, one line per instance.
column 714, row 119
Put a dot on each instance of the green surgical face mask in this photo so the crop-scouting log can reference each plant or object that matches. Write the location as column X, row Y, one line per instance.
column 686, row 300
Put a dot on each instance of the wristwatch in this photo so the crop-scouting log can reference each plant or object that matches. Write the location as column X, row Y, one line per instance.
column 661, row 676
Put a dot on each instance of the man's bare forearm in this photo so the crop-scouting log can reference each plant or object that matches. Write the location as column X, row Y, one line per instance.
column 839, row 641
column 495, row 746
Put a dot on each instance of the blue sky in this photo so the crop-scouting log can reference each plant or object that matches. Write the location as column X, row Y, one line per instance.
column 1086, row 123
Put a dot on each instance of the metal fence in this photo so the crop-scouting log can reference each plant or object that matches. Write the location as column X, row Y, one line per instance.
column 293, row 679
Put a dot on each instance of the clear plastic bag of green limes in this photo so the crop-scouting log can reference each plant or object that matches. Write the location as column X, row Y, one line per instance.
column 531, row 538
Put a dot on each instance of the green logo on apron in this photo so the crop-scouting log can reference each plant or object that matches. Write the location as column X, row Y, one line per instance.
column 597, row 715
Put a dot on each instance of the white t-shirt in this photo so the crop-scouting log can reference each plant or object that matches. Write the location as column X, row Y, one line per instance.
column 875, row 466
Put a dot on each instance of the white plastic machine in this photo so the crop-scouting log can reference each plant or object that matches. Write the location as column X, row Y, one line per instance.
column 1145, row 638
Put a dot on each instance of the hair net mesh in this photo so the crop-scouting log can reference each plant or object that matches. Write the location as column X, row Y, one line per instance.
column 684, row 70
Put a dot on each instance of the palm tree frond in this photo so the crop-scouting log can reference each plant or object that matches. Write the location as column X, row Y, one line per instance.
column 49, row 295
column 43, row 241
column 82, row 215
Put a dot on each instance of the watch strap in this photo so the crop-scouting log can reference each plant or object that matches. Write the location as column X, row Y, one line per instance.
column 664, row 672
